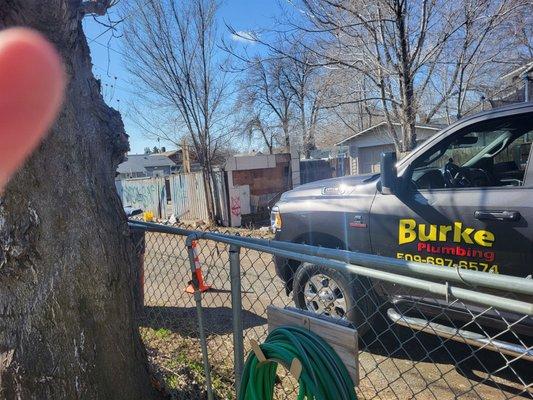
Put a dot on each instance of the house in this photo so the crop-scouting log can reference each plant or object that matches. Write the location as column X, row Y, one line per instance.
column 517, row 87
column 174, row 155
column 365, row 147
column 177, row 156
column 145, row 165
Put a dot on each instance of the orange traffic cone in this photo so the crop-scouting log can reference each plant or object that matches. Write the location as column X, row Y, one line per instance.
column 198, row 271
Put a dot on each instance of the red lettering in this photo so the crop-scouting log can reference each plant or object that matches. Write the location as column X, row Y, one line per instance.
column 459, row 251
column 456, row 251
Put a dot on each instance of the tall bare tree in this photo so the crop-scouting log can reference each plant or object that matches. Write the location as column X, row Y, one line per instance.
column 66, row 327
column 266, row 100
column 399, row 44
column 310, row 85
column 172, row 52
column 417, row 57
column 289, row 83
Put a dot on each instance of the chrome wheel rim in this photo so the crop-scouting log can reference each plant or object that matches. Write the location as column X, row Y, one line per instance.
column 323, row 295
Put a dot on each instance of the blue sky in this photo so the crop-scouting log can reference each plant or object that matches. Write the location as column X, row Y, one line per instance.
column 108, row 65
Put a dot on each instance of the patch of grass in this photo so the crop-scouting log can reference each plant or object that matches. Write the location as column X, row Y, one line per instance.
column 172, row 382
column 189, row 368
column 196, row 367
column 222, row 388
column 177, row 363
column 162, row 333
column 182, row 359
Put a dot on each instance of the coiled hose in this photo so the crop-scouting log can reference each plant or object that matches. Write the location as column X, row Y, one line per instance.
column 323, row 376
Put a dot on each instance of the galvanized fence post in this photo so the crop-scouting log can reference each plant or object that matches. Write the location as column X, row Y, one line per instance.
column 198, row 300
column 236, row 308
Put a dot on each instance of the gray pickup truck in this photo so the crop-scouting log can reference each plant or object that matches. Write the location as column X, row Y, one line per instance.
column 464, row 198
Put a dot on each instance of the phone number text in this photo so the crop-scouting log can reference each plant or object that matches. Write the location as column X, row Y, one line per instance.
column 447, row 262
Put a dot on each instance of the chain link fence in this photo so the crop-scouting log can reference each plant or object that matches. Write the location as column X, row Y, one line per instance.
column 412, row 343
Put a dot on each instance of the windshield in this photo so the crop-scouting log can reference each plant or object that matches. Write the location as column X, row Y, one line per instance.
column 491, row 153
column 466, row 149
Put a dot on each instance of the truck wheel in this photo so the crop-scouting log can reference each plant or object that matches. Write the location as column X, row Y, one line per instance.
column 327, row 291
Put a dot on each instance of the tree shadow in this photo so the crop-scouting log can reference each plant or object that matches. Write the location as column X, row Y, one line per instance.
column 184, row 320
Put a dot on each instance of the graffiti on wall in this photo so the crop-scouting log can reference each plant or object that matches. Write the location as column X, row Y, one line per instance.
column 236, row 206
column 139, row 196
column 147, row 194
column 239, row 203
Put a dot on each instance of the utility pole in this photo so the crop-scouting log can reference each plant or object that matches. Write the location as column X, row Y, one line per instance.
column 185, row 158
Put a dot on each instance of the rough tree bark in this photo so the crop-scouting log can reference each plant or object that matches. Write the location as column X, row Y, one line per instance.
column 66, row 311
column 406, row 81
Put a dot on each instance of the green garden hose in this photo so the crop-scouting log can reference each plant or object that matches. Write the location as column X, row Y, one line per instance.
column 323, row 375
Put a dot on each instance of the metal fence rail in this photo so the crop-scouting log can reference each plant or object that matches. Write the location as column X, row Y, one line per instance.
column 425, row 332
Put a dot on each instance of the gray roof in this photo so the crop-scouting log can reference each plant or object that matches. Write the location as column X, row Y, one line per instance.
column 139, row 163
column 384, row 123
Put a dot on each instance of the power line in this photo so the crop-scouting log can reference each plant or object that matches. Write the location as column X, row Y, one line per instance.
column 122, row 20
column 101, row 34
column 114, row 85
column 111, row 48
column 115, row 51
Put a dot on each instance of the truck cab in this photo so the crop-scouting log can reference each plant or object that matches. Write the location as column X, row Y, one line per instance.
column 463, row 199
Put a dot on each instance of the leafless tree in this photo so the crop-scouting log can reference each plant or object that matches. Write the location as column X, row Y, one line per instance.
column 289, row 84
column 474, row 58
column 172, row 52
column 342, row 114
column 302, row 77
column 266, row 101
column 399, row 45
column 67, row 329
column 416, row 58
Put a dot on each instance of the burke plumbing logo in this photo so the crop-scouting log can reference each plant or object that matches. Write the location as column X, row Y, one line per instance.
column 429, row 236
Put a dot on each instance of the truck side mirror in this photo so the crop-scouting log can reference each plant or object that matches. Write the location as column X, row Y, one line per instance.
column 389, row 175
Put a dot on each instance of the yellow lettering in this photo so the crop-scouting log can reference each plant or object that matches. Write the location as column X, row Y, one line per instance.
column 459, row 233
column 484, row 238
column 466, row 235
column 443, row 232
column 432, row 236
column 406, row 231
column 457, row 228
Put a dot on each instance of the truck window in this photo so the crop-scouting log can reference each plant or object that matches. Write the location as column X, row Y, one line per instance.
column 483, row 155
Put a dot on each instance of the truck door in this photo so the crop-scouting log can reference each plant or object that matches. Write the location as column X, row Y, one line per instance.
column 466, row 202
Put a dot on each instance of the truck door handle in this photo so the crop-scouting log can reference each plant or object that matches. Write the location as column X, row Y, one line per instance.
column 504, row 215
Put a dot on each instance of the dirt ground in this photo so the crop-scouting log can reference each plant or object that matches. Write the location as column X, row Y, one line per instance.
column 394, row 363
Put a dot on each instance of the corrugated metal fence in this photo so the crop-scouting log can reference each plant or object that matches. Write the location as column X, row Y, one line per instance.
column 148, row 194
column 188, row 196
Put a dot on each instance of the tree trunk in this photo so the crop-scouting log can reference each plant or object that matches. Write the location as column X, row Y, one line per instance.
column 208, row 187
column 406, row 81
column 66, row 310
column 305, row 134
column 286, row 136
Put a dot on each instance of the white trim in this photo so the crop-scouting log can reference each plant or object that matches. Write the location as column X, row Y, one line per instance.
column 521, row 71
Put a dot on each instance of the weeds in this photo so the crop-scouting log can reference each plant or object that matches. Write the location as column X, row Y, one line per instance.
column 176, row 362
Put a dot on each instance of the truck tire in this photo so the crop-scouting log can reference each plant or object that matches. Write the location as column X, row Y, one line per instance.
column 328, row 291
